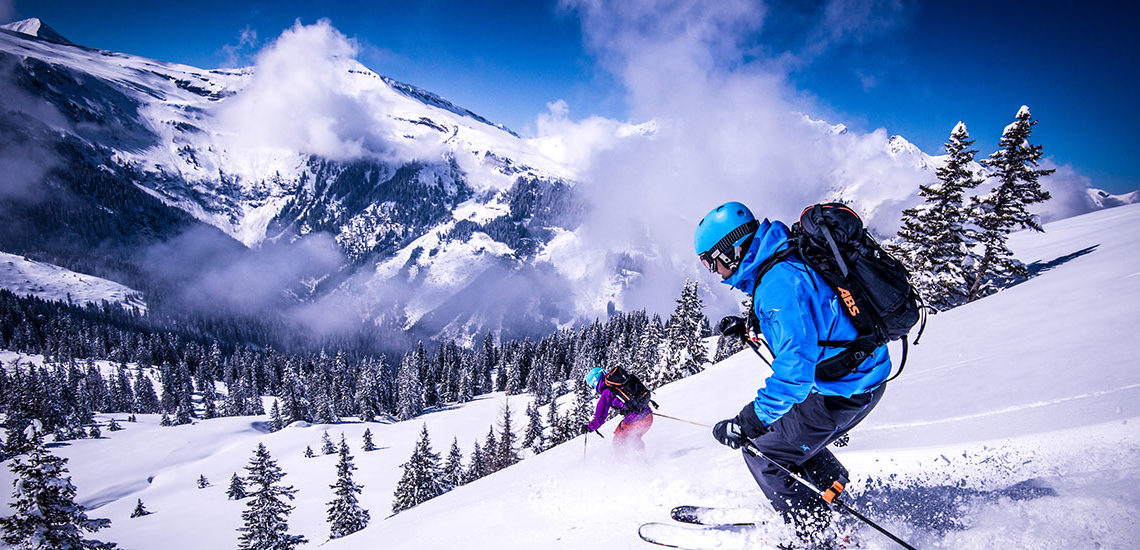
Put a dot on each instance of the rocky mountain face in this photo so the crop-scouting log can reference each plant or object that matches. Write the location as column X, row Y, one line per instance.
column 118, row 156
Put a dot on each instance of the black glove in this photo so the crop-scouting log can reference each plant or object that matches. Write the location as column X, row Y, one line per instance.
column 733, row 432
column 727, row 432
column 585, row 429
column 734, row 327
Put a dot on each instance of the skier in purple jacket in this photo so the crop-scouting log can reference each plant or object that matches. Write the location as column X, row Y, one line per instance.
column 627, row 436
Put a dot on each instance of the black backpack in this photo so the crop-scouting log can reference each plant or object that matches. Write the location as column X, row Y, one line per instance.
column 633, row 394
column 873, row 286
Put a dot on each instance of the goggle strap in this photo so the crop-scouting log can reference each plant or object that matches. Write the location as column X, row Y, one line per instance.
column 726, row 242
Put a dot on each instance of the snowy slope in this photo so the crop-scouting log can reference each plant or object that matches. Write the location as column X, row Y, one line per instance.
column 51, row 282
column 1015, row 425
column 1036, row 385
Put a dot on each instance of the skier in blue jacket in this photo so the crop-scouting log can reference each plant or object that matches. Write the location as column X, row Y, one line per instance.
column 795, row 415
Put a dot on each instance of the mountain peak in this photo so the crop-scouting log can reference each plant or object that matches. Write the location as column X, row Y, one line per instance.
column 33, row 26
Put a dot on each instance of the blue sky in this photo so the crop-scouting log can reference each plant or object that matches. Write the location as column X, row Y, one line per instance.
column 914, row 73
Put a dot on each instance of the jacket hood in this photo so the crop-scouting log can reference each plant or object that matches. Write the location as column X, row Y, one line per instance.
column 771, row 237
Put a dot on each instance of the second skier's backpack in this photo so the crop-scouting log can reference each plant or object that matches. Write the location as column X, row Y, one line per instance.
column 873, row 286
column 633, row 394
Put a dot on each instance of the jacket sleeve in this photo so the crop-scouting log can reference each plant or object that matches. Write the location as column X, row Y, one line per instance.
column 602, row 410
column 791, row 333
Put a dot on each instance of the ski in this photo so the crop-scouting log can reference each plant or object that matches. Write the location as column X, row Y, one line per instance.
column 711, row 515
column 701, row 537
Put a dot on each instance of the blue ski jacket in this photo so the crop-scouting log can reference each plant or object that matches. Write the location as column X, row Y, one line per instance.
column 796, row 310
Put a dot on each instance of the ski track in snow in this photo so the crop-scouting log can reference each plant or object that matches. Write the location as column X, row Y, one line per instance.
column 1011, row 409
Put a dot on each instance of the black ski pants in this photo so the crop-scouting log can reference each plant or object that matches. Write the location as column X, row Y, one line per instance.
column 798, row 441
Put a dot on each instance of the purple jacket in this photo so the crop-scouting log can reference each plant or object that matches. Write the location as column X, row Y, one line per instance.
column 610, row 400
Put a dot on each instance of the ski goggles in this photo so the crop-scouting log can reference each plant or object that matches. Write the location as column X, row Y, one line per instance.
column 719, row 251
column 710, row 257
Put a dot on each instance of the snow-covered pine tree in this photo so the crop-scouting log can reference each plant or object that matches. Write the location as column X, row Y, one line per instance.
column 345, row 515
column 276, row 421
column 209, row 399
column 506, row 453
column 327, row 444
column 582, row 411
column 454, row 474
column 203, row 482
column 140, row 510
column 113, row 426
column 266, row 517
column 475, row 468
column 410, row 401
column 685, row 351
column 533, row 431
column 1006, row 208
column 236, row 490
column 146, row 400
column 309, row 452
column 94, row 431
column 368, row 445
column 490, row 445
column 367, row 396
column 45, row 514
column 934, row 241
column 555, row 423
column 422, row 479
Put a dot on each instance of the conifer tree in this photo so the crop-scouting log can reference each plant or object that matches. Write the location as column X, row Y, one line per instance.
column 327, row 444
column 555, row 423
column 276, row 421
column 345, row 515
column 368, row 445
column 236, row 490
column 203, row 482
column 422, row 479
column 490, row 456
column 475, row 468
column 934, row 241
column 686, row 354
column 410, row 389
column 506, row 453
column 45, row 514
column 140, row 510
column 113, row 426
column 309, row 452
column 532, row 437
column 582, row 412
column 1006, row 208
column 453, row 472
column 266, row 517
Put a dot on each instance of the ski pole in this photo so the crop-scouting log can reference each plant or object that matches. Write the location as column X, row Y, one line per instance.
column 681, row 420
column 828, row 496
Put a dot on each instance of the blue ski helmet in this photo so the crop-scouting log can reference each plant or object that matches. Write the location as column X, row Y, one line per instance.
column 721, row 232
column 593, row 376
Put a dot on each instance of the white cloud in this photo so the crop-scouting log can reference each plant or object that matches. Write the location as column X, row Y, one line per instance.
column 729, row 126
column 238, row 54
column 306, row 95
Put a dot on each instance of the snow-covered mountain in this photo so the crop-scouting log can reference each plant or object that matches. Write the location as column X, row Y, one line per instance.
column 34, row 27
column 379, row 166
column 1016, row 424
column 50, row 282
column 1104, row 199
column 423, row 216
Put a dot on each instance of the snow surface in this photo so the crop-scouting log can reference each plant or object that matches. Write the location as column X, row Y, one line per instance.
column 1015, row 425
column 51, row 282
